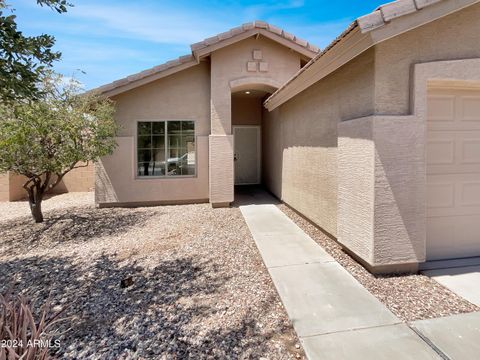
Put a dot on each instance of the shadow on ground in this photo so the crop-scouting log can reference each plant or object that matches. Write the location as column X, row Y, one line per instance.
column 253, row 195
column 70, row 226
column 163, row 313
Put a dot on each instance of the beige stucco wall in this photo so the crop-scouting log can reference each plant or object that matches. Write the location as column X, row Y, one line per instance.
column 4, row 187
column 229, row 68
column 77, row 180
column 182, row 96
column 380, row 191
column 300, row 145
column 81, row 179
column 379, row 160
column 453, row 37
column 201, row 93
column 230, row 63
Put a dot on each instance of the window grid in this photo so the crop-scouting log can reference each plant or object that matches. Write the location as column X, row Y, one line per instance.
column 166, row 150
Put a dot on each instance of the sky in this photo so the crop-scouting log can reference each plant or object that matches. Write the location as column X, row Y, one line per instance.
column 106, row 40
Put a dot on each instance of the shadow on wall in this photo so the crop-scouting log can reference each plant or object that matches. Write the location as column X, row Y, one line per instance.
column 104, row 190
column 398, row 183
column 299, row 164
column 78, row 180
column 159, row 314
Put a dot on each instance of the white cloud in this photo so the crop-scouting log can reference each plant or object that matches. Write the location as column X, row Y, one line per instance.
column 169, row 26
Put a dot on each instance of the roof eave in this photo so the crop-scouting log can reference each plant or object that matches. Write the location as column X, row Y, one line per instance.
column 110, row 90
column 349, row 47
column 367, row 32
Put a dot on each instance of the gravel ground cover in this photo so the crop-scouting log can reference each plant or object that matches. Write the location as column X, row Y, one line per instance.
column 410, row 297
column 198, row 287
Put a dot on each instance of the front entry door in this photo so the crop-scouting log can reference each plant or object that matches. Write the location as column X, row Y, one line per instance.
column 247, row 154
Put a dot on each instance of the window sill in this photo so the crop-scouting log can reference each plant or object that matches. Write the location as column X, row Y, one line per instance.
column 176, row 177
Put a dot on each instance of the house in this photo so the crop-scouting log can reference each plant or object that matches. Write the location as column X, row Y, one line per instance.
column 376, row 139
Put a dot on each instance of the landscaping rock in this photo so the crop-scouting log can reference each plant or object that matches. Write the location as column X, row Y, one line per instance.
column 199, row 287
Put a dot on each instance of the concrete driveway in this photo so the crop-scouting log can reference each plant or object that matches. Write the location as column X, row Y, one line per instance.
column 461, row 276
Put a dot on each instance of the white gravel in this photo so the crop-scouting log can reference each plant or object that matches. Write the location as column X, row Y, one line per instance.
column 199, row 290
column 410, row 297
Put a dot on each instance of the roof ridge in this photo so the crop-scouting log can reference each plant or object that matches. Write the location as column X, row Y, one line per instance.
column 256, row 24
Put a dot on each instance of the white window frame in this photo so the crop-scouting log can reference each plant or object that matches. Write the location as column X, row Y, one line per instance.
column 163, row 177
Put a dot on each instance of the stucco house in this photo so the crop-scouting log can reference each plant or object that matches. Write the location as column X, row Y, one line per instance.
column 376, row 139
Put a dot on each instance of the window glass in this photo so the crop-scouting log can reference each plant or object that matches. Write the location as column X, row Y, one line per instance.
column 158, row 128
column 144, row 128
column 166, row 148
column 144, row 142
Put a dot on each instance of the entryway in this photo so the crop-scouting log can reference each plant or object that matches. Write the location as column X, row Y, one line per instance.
column 453, row 173
column 247, row 147
column 248, row 136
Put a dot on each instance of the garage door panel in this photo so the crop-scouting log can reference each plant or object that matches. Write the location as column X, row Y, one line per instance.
column 440, row 195
column 441, row 151
column 470, row 150
column 453, row 174
column 441, row 108
column 453, row 195
column 470, row 194
column 455, row 237
column 469, row 108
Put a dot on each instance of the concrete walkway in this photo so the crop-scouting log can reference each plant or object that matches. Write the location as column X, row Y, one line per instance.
column 334, row 316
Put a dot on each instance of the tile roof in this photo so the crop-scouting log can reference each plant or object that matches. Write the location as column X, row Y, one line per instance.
column 387, row 12
column 250, row 26
column 146, row 73
column 192, row 58
column 374, row 20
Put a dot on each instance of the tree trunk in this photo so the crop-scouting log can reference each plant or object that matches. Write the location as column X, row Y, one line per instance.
column 35, row 198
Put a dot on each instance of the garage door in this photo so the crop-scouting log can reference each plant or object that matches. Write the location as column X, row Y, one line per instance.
column 453, row 174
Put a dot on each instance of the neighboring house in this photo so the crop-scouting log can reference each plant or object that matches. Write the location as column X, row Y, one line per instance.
column 77, row 180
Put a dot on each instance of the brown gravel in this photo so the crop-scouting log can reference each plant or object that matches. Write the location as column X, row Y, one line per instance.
column 199, row 290
column 410, row 297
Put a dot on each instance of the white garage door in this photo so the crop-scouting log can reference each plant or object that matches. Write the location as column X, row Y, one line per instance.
column 453, row 174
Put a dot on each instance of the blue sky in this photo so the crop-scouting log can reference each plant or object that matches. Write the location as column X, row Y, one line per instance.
column 110, row 39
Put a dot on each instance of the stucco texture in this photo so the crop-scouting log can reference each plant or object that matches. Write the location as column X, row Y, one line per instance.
column 81, row 179
column 229, row 68
column 363, row 128
column 181, row 96
column 300, row 162
column 4, row 187
column 450, row 38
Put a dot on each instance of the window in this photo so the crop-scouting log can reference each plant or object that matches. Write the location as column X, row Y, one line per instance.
column 165, row 148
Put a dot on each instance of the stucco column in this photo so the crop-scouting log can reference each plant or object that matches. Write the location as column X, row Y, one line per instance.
column 381, row 191
column 221, row 179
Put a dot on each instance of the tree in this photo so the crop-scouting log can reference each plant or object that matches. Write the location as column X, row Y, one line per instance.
column 24, row 60
column 45, row 139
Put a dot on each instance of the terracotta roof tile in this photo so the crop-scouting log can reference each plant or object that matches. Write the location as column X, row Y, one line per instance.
column 374, row 20
column 397, row 8
column 205, row 44
column 387, row 12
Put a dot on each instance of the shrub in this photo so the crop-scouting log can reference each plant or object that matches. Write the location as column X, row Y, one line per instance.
column 23, row 335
